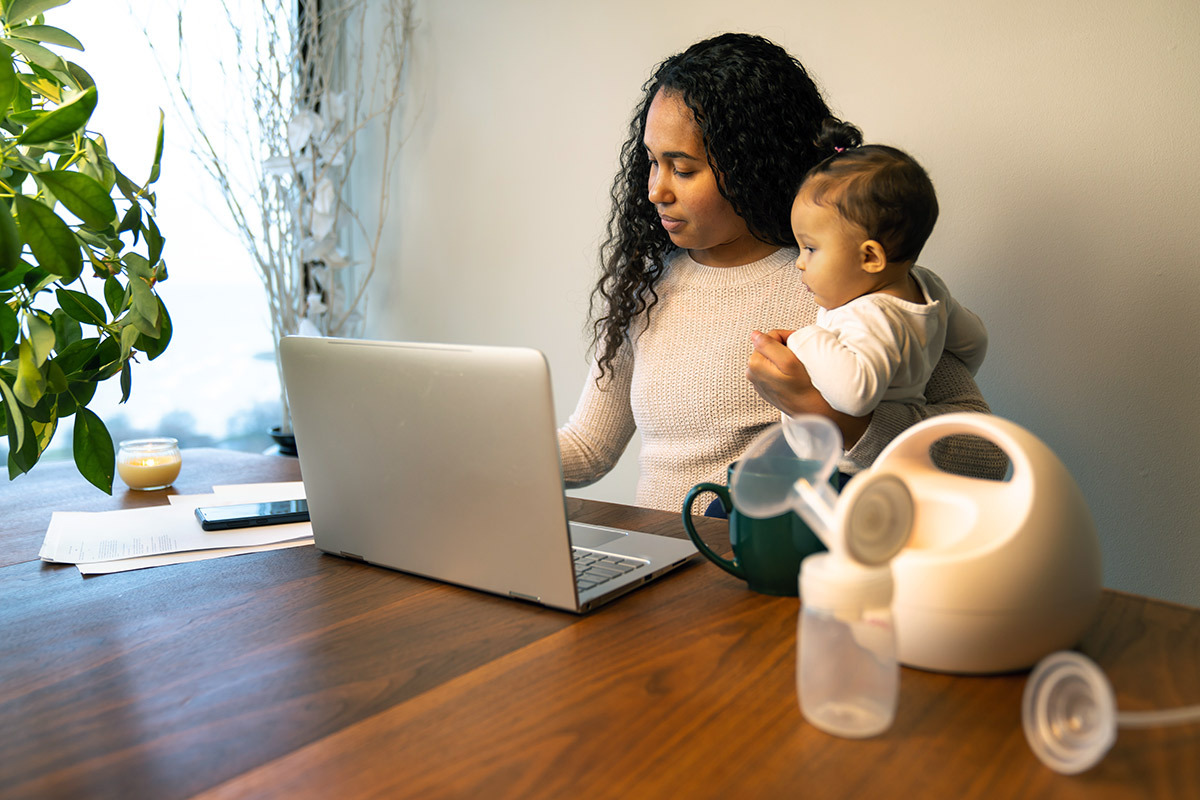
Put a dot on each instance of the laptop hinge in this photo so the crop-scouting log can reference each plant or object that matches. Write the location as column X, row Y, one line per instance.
column 520, row 596
column 354, row 556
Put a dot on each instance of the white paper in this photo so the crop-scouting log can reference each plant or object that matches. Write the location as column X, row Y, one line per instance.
column 127, row 564
column 81, row 537
column 261, row 492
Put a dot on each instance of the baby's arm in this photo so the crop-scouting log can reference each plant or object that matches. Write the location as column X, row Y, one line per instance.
column 852, row 361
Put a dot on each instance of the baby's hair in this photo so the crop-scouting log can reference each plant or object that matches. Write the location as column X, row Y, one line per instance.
column 880, row 189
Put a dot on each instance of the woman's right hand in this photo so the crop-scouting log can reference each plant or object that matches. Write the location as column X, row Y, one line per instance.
column 783, row 381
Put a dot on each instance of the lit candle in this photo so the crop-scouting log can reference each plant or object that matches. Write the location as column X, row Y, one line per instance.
column 149, row 463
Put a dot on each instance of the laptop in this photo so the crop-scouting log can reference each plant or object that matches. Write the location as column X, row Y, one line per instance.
column 442, row 461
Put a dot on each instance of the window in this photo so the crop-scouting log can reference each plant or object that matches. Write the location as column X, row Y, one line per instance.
column 216, row 385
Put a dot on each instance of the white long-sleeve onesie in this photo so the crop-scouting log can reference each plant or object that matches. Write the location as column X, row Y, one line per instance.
column 881, row 348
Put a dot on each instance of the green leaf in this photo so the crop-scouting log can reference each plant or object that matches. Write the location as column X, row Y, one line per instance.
column 30, row 384
column 73, row 358
column 14, row 277
column 97, row 164
column 37, row 279
column 80, row 306
column 129, row 189
column 41, row 338
column 21, row 10
column 83, row 197
column 8, row 85
column 145, row 302
column 49, row 89
column 145, row 305
column 37, row 55
column 17, row 420
column 93, row 447
column 10, row 240
column 24, row 99
column 21, row 459
column 114, row 295
column 154, row 347
column 9, row 326
column 54, row 246
column 56, row 381
column 137, row 267
column 132, row 221
column 126, row 382
column 106, row 361
column 43, row 412
column 154, row 240
column 81, row 76
column 129, row 334
column 81, row 393
column 45, row 432
column 62, row 121
column 66, row 330
column 48, row 34
column 158, row 151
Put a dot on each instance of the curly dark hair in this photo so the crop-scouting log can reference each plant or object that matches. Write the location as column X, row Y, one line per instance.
column 759, row 115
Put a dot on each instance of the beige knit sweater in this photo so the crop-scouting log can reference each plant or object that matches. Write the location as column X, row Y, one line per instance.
column 683, row 385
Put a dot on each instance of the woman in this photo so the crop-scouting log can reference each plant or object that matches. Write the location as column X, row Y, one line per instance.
column 699, row 254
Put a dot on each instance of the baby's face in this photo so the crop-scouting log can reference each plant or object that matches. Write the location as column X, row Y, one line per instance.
column 831, row 254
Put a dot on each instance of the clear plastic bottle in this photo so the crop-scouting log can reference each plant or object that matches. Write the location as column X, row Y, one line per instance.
column 847, row 676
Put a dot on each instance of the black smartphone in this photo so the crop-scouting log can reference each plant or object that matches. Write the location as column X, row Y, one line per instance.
column 247, row 515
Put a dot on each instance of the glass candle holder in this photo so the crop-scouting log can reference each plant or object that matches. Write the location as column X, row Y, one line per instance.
column 146, row 464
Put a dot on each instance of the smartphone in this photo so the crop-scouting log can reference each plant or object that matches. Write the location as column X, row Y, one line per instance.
column 247, row 515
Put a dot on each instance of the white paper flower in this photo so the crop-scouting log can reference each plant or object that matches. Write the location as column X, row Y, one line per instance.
column 324, row 209
column 278, row 165
column 316, row 307
column 334, row 108
column 302, row 128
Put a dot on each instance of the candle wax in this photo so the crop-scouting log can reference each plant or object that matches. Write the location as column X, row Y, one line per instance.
column 149, row 472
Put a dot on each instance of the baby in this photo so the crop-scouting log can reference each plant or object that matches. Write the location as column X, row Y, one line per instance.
column 861, row 218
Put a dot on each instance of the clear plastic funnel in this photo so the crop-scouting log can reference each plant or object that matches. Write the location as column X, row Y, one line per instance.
column 1070, row 717
column 800, row 452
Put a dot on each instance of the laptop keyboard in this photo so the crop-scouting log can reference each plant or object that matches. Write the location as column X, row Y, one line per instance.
column 593, row 569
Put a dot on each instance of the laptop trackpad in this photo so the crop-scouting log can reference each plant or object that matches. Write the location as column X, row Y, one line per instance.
column 592, row 536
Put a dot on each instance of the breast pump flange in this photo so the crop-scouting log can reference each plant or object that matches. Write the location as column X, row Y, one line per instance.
column 994, row 575
column 1070, row 717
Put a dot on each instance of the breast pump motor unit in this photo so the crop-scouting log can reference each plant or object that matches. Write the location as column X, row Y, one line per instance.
column 989, row 576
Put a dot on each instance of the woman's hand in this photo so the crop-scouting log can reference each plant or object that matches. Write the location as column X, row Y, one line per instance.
column 782, row 381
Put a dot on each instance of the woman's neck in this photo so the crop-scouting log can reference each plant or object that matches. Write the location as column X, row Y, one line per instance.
column 737, row 253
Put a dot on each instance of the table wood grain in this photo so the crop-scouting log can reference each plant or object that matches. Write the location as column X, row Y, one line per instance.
column 295, row 674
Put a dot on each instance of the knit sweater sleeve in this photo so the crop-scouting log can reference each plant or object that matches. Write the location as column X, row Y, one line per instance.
column 951, row 388
column 598, row 431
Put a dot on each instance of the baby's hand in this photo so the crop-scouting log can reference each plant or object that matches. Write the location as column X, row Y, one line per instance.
column 778, row 334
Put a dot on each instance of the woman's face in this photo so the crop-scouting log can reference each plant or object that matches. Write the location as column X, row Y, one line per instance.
column 684, row 190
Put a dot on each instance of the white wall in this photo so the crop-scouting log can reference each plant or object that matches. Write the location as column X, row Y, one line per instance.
column 1063, row 137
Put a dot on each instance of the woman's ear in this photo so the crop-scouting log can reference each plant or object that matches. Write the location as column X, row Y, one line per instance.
column 874, row 259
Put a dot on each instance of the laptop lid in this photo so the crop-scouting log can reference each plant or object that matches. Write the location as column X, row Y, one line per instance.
column 442, row 461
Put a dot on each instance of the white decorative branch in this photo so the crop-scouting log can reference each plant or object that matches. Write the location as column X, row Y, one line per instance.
column 308, row 92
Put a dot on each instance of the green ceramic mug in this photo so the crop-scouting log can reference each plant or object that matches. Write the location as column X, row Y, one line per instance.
column 766, row 552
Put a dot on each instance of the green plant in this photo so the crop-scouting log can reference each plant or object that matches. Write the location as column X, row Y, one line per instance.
column 63, row 330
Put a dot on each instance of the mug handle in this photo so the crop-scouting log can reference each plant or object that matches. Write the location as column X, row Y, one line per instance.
column 732, row 567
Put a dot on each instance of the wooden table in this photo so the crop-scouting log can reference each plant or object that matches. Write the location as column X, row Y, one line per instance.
column 296, row 674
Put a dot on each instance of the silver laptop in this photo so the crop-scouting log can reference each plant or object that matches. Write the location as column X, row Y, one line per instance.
column 442, row 461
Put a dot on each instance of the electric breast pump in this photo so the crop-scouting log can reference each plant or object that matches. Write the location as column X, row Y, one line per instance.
column 990, row 576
